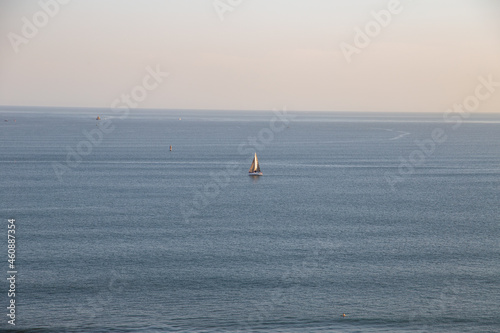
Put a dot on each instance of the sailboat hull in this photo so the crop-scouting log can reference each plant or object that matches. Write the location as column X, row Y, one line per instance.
column 255, row 173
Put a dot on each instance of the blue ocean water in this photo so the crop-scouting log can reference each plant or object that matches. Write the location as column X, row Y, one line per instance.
column 358, row 213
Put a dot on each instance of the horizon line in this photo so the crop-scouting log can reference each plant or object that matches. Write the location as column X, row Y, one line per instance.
column 28, row 107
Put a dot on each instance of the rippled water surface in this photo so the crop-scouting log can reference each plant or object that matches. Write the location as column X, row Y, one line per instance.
column 356, row 213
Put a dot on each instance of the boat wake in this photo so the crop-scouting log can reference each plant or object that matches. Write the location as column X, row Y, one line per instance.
column 402, row 134
column 397, row 137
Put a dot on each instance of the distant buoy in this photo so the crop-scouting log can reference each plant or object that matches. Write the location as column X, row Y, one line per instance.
column 170, row 148
column 344, row 315
column 180, row 118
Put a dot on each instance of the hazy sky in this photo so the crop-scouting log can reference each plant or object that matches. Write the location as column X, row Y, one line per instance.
column 264, row 54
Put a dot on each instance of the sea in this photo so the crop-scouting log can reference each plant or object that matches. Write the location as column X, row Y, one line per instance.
column 361, row 222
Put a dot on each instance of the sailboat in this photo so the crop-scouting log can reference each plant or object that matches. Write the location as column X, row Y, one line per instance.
column 255, row 168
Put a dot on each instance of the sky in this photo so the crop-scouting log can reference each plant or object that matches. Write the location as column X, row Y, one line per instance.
column 307, row 55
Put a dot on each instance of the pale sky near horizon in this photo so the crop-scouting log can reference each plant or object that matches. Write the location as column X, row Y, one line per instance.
column 265, row 54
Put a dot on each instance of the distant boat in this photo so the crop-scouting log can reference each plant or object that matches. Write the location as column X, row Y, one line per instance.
column 98, row 118
column 170, row 147
column 255, row 168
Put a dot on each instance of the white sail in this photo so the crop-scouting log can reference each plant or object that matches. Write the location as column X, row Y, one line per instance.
column 252, row 167
column 255, row 168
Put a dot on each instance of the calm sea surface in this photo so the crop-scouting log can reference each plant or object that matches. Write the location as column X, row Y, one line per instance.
column 351, row 216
